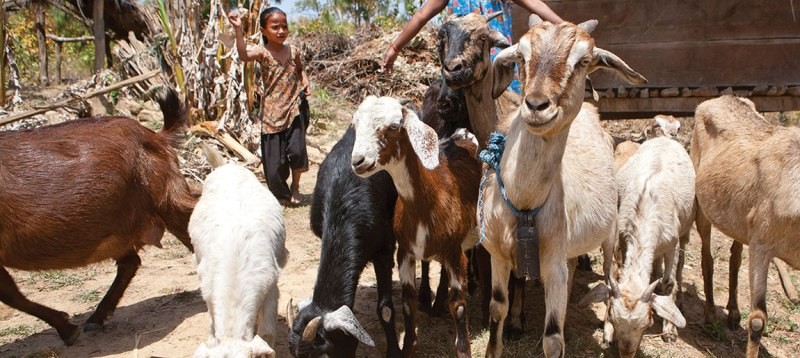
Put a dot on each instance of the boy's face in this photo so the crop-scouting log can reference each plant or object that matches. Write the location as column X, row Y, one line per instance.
column 277, row 28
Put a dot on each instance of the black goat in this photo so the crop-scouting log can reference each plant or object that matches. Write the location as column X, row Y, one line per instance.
column 353, row 217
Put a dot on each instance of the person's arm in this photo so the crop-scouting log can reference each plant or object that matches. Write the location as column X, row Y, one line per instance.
column 303, row 76
column 241, row 47
column 541, row 9
column 417, row 21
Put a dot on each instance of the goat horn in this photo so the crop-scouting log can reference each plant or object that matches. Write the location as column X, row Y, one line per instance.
column 614, row 288
column 311, row 329
column 289, row 313
column 588, row 25
column 490, row 17
column 648, row 293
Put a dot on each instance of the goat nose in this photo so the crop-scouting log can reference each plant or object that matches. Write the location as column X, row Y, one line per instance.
column 537, row 104
column 357, row 160
column 452, row 67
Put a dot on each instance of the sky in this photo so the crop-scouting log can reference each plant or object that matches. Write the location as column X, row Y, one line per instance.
column 292, row 13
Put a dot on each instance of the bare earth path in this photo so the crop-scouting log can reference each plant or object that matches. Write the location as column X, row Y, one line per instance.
column 163, row 315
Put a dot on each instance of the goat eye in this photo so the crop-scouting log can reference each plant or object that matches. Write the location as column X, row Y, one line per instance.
column 394, row 126
column 586, row 61
column 484, row 37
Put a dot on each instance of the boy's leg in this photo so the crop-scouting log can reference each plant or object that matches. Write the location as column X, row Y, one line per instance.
column 276, row 166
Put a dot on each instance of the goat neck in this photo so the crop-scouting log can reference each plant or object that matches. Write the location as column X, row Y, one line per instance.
column 481, row 107
column 531, row 161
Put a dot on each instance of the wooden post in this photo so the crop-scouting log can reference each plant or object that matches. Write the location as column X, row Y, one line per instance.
column 2, row 56
column 58, row 62
column 40, row 36
column 99, row 36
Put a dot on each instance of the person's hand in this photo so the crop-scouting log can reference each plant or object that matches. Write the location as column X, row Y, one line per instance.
column 388, row 59
column 235, row 18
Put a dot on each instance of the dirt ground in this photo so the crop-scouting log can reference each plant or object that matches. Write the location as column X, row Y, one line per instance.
column 163, row 315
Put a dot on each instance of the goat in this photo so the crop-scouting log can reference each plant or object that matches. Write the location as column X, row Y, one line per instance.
column 623, row 152
column 661, row 125
column 353, row 218
column 556, row 158
column 744, row 173
column 239, row 236
column 656, row 193
column 435, row 211
column 85, row 191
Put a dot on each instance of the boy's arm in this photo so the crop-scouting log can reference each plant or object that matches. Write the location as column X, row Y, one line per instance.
column 541, row 9
column 245, row 54
column 420, row 18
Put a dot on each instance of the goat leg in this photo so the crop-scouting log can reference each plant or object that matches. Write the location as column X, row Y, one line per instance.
column 786, row 280
column 704, row 231
column 498, row 308
column 10, row 295
column 383, row 273
column 515, row 325
column 425, row 299
column 440, row 305
column 733, row 286
column 127, row 265
column 757, row 321
column 407, row 267
column 457, row 267
column 483, row 260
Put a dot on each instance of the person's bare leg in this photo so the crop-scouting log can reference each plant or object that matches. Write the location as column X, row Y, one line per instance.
column 295, row 187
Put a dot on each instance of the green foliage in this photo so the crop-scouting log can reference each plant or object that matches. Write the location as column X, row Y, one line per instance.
column 716, row 331
column 87, row 296
column 77, row 57
column 21, row 330
column 55, row 279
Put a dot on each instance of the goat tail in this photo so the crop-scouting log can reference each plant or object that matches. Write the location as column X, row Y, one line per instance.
column 215, row 158
column 173, row 109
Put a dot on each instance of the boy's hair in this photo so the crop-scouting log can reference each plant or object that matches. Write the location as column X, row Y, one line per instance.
column 262, row 18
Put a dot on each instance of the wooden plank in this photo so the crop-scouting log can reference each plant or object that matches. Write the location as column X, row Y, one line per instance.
column 616, row 108
column 721, row 63
column 635, row 21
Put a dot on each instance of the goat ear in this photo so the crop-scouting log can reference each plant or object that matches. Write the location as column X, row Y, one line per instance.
column 608, row 60
column 503, row 68
column 423, row 139
column 666, row 308
column 498, row 39
column 599, row 293
column 344, row 319
column 259, row 348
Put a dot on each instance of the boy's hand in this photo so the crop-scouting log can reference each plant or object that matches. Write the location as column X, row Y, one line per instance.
column 235, row 18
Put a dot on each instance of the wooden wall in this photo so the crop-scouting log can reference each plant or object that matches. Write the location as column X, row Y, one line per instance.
column 693, row 43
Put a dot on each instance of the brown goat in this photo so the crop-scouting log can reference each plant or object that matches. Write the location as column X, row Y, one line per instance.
column 747, row 173
column 85, row 191
column 436, row 186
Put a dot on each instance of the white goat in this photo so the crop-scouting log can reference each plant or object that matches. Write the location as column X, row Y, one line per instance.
column 437, row 188
column 238, row 234
column 747, row 179
column 578, row 199
column 656, row 193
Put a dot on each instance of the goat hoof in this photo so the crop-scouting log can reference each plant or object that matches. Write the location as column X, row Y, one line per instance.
column 733, row 321
column 669, row 338
column 90, row 326
column 513, row 334
column 70, row 335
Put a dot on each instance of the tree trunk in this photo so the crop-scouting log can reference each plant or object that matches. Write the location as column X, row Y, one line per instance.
column 40, row 36
column 2, row 56
column 99, row 36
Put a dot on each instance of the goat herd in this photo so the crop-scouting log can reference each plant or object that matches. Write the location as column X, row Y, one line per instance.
column 99, row 188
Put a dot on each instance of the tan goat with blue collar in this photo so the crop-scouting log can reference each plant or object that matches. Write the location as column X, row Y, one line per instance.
column 577, row 199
